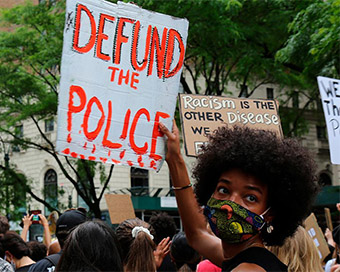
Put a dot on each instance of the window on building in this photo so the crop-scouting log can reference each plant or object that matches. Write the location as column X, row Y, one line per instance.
column 49, row 125
column 19, row 133
column 139, row 181
column 295, row 98
column 270, row 93
column 325, row 180
column 321, row 132
column 51, row 188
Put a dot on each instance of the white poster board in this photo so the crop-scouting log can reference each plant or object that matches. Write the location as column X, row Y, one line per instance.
column 330, row 97
column 120, row 76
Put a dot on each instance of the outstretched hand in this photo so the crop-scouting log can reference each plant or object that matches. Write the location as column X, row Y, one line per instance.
column 163, row 248
column 27, row 220
column 173, row 144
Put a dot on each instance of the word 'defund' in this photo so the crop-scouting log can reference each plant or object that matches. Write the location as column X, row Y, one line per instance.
column 120, row 75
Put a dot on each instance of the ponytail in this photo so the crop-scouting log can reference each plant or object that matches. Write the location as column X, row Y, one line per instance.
column 140, row 257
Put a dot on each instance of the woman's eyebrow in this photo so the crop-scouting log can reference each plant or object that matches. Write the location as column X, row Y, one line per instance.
column 224, row 181
column 254, row 188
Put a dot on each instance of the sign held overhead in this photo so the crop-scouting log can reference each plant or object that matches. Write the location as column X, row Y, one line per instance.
column 201, row 115
column 120, row 76
column 330, row 96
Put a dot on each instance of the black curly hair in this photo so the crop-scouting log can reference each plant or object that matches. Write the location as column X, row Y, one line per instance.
column 164, row 225
column 282, row 164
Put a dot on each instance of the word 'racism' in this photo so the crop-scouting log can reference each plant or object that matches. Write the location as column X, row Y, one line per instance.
column 159, row 47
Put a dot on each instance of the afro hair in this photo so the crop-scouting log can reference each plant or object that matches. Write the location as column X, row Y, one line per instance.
column 282, row 164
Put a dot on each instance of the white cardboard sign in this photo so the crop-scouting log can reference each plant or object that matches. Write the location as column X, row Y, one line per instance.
column 330, row 96
column 120, row 76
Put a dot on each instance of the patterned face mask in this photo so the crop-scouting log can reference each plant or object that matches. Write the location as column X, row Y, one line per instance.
column 231, row 222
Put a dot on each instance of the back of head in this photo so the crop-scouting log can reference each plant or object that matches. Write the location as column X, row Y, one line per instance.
column 15, row 245
column 68, row 221
column 164, row 226
column 183, row 254
column 92, row 246
column 38, row 250
column 4, row 225
column 299, row 252
column 135, row 237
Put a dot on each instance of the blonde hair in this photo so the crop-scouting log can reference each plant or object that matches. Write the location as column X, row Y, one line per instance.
column 299, row 252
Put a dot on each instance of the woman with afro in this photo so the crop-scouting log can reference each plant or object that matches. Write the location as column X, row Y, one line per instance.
column 255, row 190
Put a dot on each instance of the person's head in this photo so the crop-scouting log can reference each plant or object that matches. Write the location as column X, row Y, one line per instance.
column 38, row 250
column 92, row 246
column 14, row 246
column 164, row 226
column 135, row 237
column 259, row 171
column 299, row 252
column 182, row 254
column 4, row 225
column 67, row 222
column 53, row 248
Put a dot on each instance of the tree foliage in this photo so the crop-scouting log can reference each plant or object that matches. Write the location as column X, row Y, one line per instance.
column 30, row 56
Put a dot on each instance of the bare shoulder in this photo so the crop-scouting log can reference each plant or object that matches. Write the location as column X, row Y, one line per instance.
column 248, row 267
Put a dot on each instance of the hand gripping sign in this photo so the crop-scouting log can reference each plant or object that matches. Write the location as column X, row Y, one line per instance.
column 120, row 75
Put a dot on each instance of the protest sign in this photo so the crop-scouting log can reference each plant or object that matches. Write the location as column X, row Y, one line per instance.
column 314, row 231
column 330, row 96
column 120, row 208
column 120, row 76
column 201, row 115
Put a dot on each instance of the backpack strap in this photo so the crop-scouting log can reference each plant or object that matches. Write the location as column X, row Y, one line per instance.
column 54, row 258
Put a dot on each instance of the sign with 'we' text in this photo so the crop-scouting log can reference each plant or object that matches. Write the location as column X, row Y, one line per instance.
column 330, row 96
column 120, row 75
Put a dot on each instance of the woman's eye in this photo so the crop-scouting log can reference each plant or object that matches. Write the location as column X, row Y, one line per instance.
column 251, row 198
column 223, row 190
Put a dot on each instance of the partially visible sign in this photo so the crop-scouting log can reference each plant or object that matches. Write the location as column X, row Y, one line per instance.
column 313, row 229
column 168, row 202
column 120, row 77
column 120, row 208
column 201, row 115
column 330, row 96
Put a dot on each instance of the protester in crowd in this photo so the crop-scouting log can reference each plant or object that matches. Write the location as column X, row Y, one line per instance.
column 299, row 252
column 27, row 222
column 207, row 266
column 335, row 261
column 4, row 227
column 92, row 246
column 65, row 224
column 256, row 189
column 164, row 226
column 17, row 251
column 183, row 255
column 38, row 250
column 135, row 237
column 53, row 248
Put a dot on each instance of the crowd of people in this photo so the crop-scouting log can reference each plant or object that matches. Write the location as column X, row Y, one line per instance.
column 245, row 212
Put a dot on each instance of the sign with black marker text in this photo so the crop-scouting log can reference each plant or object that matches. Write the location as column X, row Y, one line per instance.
column 201, row 115
column 330, row 96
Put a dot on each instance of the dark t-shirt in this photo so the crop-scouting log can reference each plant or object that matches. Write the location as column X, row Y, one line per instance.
column 45, row 265
column 23, row 268
column 256, row 255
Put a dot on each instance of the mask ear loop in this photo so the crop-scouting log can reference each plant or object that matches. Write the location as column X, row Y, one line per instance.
column 270, row 227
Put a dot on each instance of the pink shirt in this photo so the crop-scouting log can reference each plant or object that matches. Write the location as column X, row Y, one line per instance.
column 207, row 266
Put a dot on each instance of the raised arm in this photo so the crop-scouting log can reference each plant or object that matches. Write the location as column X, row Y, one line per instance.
column 194, row 223
column 27, row 222
column 43, row 221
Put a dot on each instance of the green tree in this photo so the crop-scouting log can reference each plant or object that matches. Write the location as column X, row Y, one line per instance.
column 311, row 50
column 30, row 56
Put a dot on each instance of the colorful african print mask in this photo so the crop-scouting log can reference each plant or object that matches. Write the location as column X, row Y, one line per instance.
column 231, row 222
